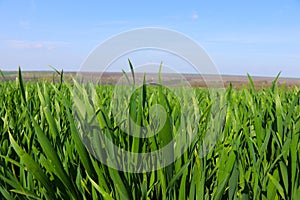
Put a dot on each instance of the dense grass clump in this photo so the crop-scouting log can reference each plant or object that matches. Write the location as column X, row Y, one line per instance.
column 42, row 157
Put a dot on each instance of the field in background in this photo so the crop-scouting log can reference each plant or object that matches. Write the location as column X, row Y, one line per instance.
column 194, row 80
column 257, row 155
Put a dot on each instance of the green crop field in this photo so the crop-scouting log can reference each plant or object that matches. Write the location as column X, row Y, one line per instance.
column 256, row 155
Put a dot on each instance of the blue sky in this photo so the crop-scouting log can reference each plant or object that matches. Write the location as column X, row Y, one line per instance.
column 260, row 37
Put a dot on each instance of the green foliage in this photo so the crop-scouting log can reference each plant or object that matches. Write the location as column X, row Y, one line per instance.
column 42, row 156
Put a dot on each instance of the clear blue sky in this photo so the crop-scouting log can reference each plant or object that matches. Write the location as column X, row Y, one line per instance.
column 260, row 37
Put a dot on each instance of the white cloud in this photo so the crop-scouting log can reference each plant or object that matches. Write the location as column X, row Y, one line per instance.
column 195, row 16
column 24, row 24
column 24, row 44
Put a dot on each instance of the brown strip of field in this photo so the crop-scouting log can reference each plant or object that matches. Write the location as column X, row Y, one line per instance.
column 193, row 79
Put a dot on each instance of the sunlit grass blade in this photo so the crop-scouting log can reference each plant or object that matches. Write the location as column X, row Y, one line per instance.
column 104, row 194
column 277, row 185
column 33, row 167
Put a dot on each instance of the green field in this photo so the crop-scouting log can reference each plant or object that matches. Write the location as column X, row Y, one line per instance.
column 256, row 155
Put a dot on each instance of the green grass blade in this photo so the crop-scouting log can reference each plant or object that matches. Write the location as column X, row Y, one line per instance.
column 104, row 194
column 22, row 85
column 5, row 193
column 33, row 167
column 54, row 159
column 251, row 82
column 274, row 82
column 83, row 153
column 277, row 185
